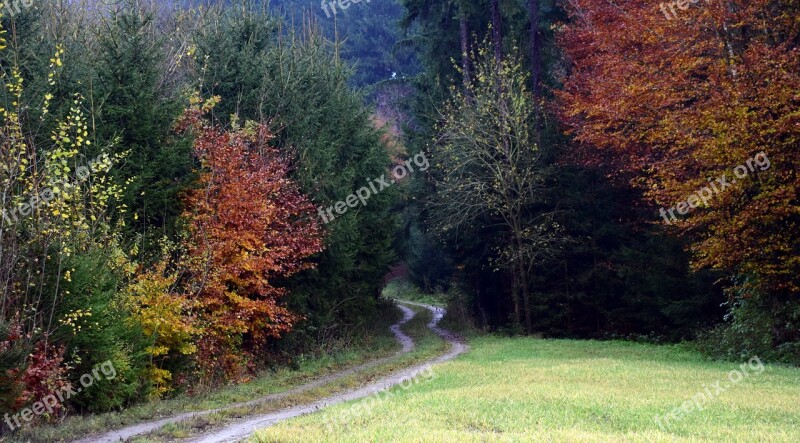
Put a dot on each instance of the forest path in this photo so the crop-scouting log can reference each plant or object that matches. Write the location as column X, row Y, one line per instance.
column 244, row 428
column 150, row 426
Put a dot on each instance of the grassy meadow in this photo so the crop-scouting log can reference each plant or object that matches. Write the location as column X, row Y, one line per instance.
column 526, row 389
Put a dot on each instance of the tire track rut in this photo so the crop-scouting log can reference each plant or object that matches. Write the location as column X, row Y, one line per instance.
column 243, row 428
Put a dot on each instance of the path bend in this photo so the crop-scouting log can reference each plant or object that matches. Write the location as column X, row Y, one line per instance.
column 243, row 428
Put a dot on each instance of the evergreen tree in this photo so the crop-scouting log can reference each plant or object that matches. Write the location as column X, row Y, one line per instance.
column 136, row 115
column 298, row 86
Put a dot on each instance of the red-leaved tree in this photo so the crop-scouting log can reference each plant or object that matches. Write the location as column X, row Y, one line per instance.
column 674, row 98
column 248, row 225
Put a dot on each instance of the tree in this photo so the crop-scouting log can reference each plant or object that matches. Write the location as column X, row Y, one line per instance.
column 136, row 113
column 299, row 88
column 676, row 102
column 60, row 258
column 490, row 173
column 497, row 32
column 535, row 47
column 248, row 226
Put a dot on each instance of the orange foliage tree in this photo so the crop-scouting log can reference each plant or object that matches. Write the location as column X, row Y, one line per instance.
column 248, row 225
column 674, row 97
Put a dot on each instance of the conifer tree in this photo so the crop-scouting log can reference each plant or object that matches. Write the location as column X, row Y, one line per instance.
column 136, row 115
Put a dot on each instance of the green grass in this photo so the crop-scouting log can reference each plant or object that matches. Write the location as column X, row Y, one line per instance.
column 376, row 344
column 526, row 389
column 402, row 289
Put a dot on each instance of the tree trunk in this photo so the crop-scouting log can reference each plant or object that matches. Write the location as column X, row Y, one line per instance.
column 536, row 44
column 526, row 298
column 497, row 36
column 465, row 63
column 515, row 297
column 522, row 269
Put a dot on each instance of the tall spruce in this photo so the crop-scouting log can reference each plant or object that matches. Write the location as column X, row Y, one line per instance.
column 135, row 114
column 299, row 87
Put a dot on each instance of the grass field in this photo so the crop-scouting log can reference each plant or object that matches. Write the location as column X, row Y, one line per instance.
column 524, row 389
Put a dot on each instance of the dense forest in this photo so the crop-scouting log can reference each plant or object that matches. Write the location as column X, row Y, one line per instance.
column 196, row 191
column 603, row 171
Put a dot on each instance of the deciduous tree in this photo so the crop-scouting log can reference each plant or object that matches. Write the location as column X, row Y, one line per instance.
column 490, row 173
column 671, row 103
column 248, row 225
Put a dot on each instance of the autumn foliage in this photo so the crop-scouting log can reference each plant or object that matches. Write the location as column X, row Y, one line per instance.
column 248, row 225
column 669, row 104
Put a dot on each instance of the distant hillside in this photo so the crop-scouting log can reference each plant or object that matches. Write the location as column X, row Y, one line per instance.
column 369, row 30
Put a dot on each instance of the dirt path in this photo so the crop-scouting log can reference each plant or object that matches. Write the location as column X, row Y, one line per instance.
column 150, row 426
column 242, row 429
